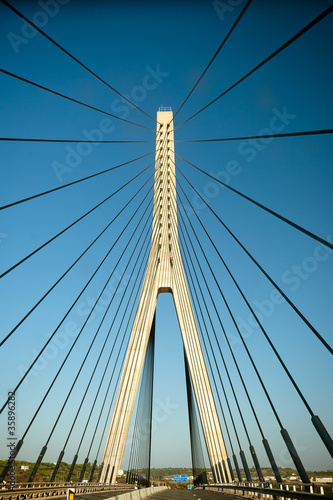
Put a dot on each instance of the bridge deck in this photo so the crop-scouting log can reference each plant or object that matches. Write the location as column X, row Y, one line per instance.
column 103, row 495
column 193, row 495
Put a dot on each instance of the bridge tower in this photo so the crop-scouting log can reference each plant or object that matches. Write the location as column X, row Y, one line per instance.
column 164, row 274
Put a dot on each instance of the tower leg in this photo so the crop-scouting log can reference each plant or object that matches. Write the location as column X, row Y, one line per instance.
column 129, row 382
column 165, row 273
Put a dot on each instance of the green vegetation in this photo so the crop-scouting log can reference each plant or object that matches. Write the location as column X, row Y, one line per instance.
column 168, row 472
column 45, row 470
column 157, row 475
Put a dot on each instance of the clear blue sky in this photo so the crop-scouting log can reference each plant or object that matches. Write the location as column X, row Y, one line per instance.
column 154, row 52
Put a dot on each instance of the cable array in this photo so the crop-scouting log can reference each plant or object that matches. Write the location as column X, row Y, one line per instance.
column 85, row 378
column 265, row 61
column 198, row 464
column 71, row 55
column 139, row 462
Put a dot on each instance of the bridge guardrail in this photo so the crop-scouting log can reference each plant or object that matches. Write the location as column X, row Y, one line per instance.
column 25, row 491
column 258, row 490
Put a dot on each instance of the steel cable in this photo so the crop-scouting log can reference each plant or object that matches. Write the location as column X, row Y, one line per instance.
column 215, row 55
column 293, row 306
column 267, row 59
column 72, row 57
column 260, row 205
column 29, row 198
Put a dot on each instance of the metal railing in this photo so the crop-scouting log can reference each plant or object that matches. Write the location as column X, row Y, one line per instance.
column 299, row 491
column 23, row 491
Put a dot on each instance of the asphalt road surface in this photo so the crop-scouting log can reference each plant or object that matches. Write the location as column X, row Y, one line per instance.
column 193, row 495
column 167, row 495
column 103, row 495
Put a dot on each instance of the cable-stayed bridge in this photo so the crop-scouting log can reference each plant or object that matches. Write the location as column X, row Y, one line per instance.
column 256, row 357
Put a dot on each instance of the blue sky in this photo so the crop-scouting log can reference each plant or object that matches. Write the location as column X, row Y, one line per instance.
column 154, row 52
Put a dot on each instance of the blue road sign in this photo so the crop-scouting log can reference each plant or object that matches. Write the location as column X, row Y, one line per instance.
column 180, row 478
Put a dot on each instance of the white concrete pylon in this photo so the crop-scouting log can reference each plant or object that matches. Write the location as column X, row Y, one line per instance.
column 164, row 273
